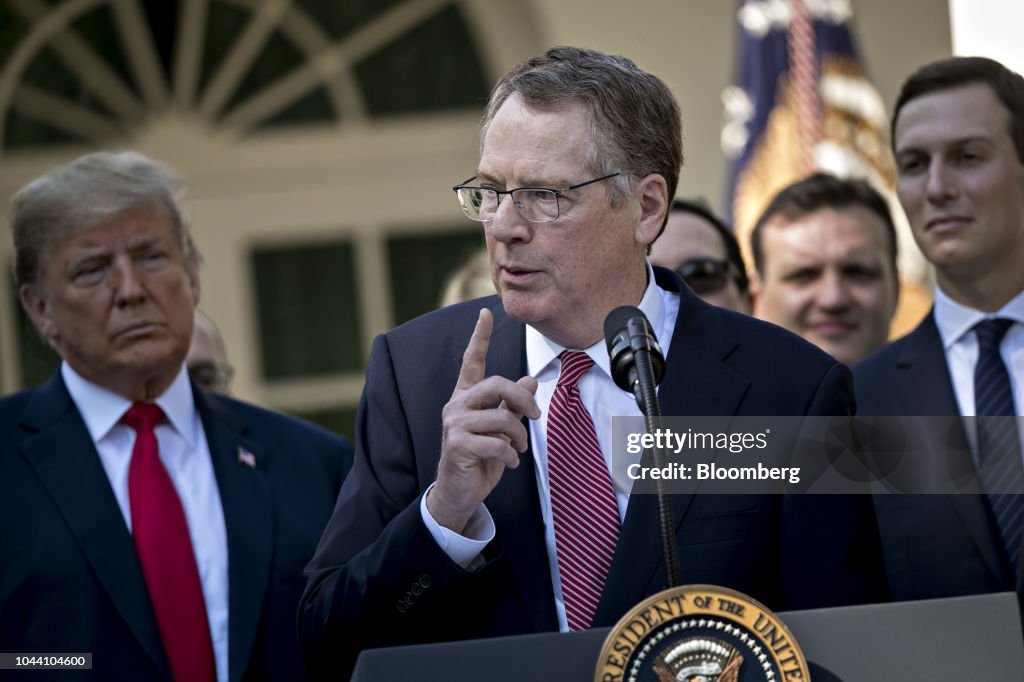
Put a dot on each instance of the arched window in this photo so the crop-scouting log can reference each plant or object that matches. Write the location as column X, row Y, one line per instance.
column 320, row 140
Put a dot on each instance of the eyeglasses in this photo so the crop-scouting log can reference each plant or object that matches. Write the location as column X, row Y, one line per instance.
column 705, row 275
column 536, row 204
column 211, row 376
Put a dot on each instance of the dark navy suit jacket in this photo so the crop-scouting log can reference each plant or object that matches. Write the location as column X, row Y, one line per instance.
column 70, row 580
column 934, row 545
column 378, row 578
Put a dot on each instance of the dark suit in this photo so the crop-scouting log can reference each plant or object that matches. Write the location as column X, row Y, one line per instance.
column 378, row 577
column 70, row 579
column 934, row 545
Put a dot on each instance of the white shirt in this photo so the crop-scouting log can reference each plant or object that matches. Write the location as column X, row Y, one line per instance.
column 185, row 454
column 960, row 343
column 602, row 398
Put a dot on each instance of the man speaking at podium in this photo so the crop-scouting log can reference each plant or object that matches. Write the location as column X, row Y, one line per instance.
column 480, row 503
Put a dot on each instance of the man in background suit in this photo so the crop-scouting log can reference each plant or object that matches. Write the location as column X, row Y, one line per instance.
column 958, row 139
column 456, row 521
column 704, row 251
column 158, row 527
column 825, row 264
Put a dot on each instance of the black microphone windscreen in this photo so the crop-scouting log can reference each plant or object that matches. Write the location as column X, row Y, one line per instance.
column 617, row 321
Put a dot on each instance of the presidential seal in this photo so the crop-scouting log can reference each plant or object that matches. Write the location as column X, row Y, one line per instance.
column 700, row 633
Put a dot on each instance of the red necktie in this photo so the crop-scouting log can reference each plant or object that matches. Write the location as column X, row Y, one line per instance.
column 165, row 553
column 583, row 505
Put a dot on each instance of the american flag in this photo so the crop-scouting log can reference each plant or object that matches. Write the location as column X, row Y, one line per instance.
column 801, row 102
column 247, row 458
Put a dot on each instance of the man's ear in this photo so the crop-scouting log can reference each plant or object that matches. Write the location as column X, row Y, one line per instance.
column 37, row 307
column 654, row 202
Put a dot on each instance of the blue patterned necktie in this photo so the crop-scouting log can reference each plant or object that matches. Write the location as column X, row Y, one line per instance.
column 999, row 452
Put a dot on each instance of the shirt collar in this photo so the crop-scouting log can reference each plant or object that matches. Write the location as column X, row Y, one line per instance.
column 542, row 351
column 955, row 320
column 102, row 409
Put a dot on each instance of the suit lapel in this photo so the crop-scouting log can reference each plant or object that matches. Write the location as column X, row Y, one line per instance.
column 67, row 464
column 697, row 379
column 925, row 388
column 697, row 382
column 515, row 504
column 248, row 516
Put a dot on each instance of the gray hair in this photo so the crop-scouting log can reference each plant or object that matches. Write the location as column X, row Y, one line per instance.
column 86, row 193
column 634, row 118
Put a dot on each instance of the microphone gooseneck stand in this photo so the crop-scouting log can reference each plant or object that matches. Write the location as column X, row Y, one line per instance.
column 637, row 365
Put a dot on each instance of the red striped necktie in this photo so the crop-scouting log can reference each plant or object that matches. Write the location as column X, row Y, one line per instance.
column 583, row 506
column 165, row 553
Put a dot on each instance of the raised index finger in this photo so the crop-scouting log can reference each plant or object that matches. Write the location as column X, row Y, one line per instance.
column 475, row 357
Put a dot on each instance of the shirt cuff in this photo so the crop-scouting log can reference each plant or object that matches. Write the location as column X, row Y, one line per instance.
column 462, row 549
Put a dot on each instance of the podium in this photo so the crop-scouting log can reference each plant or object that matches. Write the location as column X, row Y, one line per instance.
column 939, row 640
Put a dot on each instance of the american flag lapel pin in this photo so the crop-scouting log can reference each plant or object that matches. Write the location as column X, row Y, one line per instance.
column 247, row 458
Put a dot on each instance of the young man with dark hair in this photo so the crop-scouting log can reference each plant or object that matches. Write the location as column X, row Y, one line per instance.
column 958, row 139
column 825, row 265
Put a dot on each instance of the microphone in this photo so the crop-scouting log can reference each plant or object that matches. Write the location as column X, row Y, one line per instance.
column 637, row 366
column 637, row 363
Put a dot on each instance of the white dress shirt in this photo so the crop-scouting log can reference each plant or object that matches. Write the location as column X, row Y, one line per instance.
column 602, row 398
column 956, row 329
column 185, row 454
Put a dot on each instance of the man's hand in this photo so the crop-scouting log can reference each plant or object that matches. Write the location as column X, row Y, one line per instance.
column 482, row 433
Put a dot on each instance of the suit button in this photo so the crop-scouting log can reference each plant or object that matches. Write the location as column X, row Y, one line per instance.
column 402, row 608
column 424, row 581
column 416, row 589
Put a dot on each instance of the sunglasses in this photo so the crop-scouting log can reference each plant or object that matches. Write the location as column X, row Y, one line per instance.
column 705, row 275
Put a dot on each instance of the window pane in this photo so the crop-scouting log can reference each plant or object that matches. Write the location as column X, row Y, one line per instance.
column 431, row 68
column 224, row 23
column 163, row 17
column 48, row 72
column 307, row 310
column 25, row 131
column 97, row 28
column 12, row 29
column 420, row 266
column 338, row 419
column 338, row 19
column 278, row 58
column 313, row 108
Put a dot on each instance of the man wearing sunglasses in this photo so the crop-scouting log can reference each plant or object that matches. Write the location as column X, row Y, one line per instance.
column 705, row 253
column 825, row 265
column 481, row 502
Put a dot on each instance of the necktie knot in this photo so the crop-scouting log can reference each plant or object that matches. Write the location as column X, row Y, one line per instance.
column 143, row 417
column 990, row 333
column 575, row 363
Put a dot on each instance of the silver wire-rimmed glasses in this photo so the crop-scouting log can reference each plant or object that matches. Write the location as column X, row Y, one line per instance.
column 535, row 204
